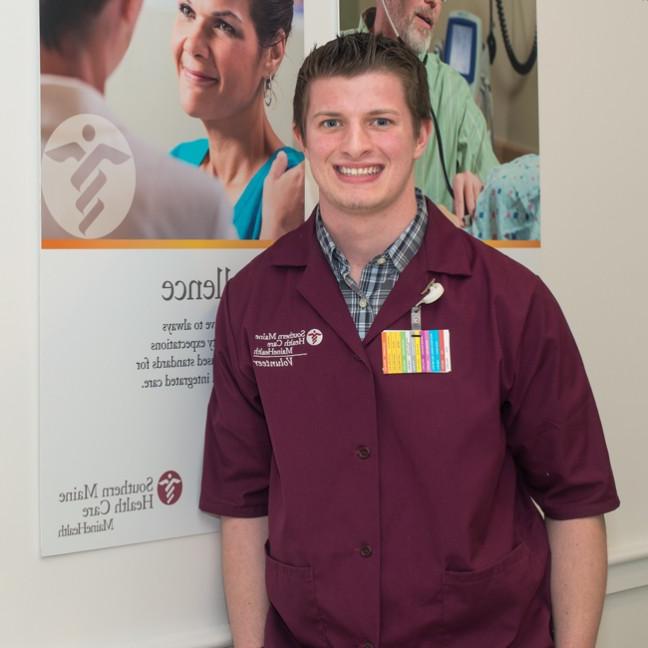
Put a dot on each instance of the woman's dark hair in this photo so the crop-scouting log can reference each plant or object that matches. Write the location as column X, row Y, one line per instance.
column 271, row 18
column 62, row 18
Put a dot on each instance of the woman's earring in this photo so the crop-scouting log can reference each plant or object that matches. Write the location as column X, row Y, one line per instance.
column 267, row 91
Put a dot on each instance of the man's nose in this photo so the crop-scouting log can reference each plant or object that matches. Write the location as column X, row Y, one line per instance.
column 357, row 141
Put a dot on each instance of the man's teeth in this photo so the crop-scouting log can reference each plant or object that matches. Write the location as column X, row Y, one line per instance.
column 362, row 171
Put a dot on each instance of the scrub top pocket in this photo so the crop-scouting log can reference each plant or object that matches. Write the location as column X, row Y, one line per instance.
column 490, row 602
column 291, row 590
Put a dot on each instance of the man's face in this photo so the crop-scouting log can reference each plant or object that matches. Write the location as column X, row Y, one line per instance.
column 360, row 142
column 415, row 21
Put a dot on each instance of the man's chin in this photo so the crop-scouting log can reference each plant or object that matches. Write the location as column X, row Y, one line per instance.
column 418, row 42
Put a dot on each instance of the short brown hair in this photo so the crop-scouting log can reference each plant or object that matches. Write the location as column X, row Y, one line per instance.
column 60, row 19
column 359, row 53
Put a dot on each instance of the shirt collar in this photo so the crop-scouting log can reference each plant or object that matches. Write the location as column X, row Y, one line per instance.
column 447, row 249
column 400, row 252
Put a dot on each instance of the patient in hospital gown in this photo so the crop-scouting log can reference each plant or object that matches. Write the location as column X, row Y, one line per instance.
column 508, row 207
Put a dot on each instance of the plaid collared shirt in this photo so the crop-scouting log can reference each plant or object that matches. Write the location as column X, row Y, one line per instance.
column 380, row 275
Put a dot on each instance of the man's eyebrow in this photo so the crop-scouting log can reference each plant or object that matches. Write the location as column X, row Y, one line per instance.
column 371, row 113
column 327, row 113
column 383, row 111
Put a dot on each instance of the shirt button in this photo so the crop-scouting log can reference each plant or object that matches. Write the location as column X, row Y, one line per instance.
column 381, row 261
column 363, row 303
column 366, row 551
column 362, row 452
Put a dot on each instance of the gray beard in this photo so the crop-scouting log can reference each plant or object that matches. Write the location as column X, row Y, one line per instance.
column 415, row 40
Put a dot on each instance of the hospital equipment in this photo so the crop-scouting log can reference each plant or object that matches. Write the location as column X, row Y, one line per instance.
column 465, row 51
column 520, row 67
column 463, row 47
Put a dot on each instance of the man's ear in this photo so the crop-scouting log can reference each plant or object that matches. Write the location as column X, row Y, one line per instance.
column 275, row 54
column 425, row 132
column 130, row 10
column 299, row 138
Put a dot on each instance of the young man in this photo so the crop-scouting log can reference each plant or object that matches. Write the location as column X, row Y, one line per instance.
column 391, row 394
column 82, row 43
column 463, row 132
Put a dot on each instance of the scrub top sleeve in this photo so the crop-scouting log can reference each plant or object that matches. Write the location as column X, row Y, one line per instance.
column 474, row 149
column 237, row 454
column 553, row 427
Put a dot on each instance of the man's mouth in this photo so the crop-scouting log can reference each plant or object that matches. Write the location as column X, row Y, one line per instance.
column 426, row 19
column 364, row 171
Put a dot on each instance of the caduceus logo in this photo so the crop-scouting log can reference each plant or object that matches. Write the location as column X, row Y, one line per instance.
column 169, row 487
column 314, row 337
column 88, row 177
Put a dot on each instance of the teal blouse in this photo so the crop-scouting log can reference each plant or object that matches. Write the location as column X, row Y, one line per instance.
column 247, row 211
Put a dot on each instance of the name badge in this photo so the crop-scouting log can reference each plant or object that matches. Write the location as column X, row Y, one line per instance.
column 416, row 351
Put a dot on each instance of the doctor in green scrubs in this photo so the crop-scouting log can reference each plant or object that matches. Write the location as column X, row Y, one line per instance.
column 463, row 132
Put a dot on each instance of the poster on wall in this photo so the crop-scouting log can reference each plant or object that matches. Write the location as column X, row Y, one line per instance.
column 483, row 165
column 167, row 163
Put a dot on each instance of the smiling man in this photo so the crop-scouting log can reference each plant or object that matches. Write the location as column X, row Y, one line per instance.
column 463, row 133
column 390, row 398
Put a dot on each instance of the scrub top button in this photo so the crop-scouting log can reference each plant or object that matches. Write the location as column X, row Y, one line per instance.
column 363, row 303
column 366, row 551
column 362, row 452
column 366, row 644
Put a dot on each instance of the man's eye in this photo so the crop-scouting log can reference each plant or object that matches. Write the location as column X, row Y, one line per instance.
column 382, row 121
column 330, row 123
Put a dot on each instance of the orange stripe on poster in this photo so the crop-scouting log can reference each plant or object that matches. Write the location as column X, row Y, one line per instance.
column 204, row 244
column 513, row 244
column 152, row 244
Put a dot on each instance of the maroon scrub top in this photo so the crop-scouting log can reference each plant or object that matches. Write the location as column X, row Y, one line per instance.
column 401, row 507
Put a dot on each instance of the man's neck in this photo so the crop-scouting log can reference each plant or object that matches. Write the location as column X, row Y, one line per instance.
column 77, row 63
column 363, row 236
column 381, row 24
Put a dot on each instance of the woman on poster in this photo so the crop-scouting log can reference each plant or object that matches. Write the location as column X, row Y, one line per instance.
column 226, row 54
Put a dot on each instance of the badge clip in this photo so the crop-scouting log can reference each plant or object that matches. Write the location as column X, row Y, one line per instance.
column 431, row 293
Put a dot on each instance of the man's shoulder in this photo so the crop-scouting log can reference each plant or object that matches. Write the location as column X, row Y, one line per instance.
column 170, row 198
column 291, row 250
column 65, row 97
column 487, row 266
column 510, row 275
column 444, row 78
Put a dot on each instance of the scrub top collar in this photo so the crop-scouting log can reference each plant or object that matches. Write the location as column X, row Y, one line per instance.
column 445, row 247
column 445, row 250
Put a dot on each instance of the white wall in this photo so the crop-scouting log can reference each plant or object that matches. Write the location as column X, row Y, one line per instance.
column 593, row 136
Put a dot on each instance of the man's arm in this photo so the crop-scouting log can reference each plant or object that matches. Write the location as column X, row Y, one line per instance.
column 578, row 579
column 243, row 555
